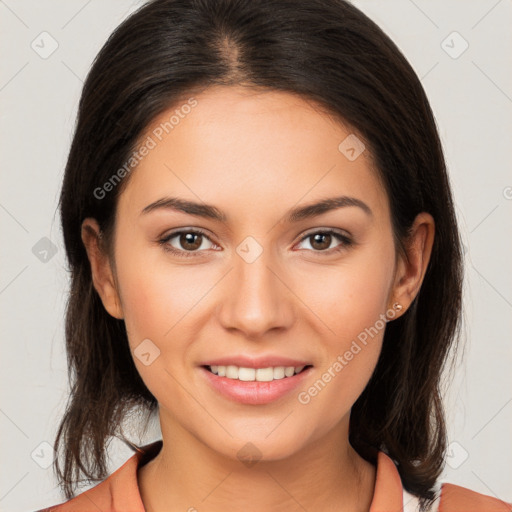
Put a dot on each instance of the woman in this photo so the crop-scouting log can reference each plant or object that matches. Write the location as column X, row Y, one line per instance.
column 262, row 241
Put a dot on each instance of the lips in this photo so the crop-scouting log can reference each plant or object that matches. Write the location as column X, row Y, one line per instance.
column 256, row 362
column 255, row 381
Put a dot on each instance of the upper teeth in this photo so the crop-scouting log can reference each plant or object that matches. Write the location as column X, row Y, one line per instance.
column 256, row 374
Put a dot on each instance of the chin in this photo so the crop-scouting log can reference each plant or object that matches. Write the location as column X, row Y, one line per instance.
column 257, row 442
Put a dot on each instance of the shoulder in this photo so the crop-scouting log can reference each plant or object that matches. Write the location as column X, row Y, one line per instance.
column 120, row 491
column 98, row 497
column 455, row 498
column 117, row 492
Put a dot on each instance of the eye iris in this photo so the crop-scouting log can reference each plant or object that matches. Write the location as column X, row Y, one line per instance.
column 187, row 241
column 317, row 239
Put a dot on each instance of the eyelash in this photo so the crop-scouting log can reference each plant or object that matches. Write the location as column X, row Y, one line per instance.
column 346, row 242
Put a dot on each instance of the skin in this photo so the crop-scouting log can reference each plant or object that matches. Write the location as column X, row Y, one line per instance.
column 255, row 155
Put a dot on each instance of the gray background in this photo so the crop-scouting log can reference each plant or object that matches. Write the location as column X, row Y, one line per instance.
column 471, row 94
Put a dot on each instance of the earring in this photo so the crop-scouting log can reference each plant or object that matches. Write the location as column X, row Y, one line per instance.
column 397, row 306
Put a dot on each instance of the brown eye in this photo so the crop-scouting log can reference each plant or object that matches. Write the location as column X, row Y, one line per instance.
column 186, row 243
column 190, row 241
column 321, row 241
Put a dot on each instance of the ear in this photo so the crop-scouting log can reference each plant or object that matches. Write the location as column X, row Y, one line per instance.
column 411, row 269
column 102, row 275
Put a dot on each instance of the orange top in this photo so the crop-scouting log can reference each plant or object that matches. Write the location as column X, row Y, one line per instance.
column 120, row 491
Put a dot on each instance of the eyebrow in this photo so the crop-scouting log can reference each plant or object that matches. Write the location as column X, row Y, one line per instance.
column 293, row 215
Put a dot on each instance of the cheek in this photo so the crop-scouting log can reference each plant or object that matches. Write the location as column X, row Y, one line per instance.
column 352, row 303
column 349, row 355
column 155, row 305
column 351, row 297
column 155, row 295
column 160, row 303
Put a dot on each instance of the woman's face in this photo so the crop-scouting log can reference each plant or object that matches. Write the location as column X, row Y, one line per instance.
column 258, row 287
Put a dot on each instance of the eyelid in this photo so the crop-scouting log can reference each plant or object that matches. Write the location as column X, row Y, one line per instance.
column 314, row 231
column 179, row 231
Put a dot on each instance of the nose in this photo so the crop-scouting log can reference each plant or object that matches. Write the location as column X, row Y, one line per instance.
column 256, row 298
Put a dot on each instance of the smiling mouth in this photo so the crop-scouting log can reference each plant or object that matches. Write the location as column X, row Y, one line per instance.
column 268, row 374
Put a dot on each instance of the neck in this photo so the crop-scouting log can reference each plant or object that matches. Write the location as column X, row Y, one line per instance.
column 188, row 475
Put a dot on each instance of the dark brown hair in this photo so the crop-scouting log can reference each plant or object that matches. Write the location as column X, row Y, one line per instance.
column 326, row 51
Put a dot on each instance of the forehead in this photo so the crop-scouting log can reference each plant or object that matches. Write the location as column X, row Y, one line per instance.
column 230, row 144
